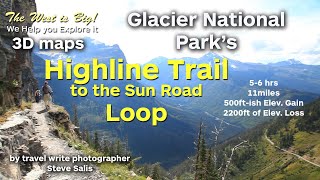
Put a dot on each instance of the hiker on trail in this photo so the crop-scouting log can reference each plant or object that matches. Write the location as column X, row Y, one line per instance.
column 37, row 95
column 47, row 93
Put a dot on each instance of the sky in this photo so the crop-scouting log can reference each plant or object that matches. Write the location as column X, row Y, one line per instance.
column 299, row 40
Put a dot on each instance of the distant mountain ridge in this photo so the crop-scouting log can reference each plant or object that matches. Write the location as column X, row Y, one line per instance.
column 287, row 62
column 296, row 81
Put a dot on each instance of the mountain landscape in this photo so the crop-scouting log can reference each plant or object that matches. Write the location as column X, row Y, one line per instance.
column 247, row 147
column 296, row 81
column 283, row 148
column 288, row 148
column 177, row 134
column 197, row 141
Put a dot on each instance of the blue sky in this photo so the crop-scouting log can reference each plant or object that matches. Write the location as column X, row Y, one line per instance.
column 295, row 7
column 299, row 40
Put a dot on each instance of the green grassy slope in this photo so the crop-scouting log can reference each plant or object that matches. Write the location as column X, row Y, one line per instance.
column 269, row 162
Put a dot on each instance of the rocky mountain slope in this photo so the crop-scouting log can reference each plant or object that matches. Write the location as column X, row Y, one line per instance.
column 34, row 133
column 16, row 78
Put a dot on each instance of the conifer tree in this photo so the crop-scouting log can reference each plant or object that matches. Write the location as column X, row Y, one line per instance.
column 75, row 115
column 131, row 165
column 88, row 139
column 112, row 149
column 203, row 158
column 156, row 172
column 83, row 134
column 211, row 172
column 96, row 143
column 126, row 147
column 146, row 169
column 200, row 156
column 105, row 148
column 118, row 146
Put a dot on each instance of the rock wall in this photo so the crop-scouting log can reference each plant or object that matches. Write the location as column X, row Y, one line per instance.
column 16, row 77
column 17, row 137
column 20, row 135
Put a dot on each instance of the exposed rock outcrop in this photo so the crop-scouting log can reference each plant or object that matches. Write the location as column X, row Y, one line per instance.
column 61, row 117
column 17, row 138
column 34, row 133
column 16, row 77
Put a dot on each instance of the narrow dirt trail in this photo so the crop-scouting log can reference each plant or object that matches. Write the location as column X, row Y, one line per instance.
column 53, row 146
column 288, row 152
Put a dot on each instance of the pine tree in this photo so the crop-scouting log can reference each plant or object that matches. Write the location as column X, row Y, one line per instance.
column 75, row 115
column 83, row 134
column 156, row 172
column 146, row 170
column 88, row 139
column 96, row 143
column 106, row 150
column 126, row 147
column 112, row 149
column 211, row 172
column 131, row 165
column 203, row 158
column 119, row 147
column 200, row 165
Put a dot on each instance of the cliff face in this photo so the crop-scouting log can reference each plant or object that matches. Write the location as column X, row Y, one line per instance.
column 16, row 77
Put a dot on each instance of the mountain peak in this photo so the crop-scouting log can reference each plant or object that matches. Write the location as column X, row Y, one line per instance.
column 293, row 61
column 211, row 55
column 287, row 62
